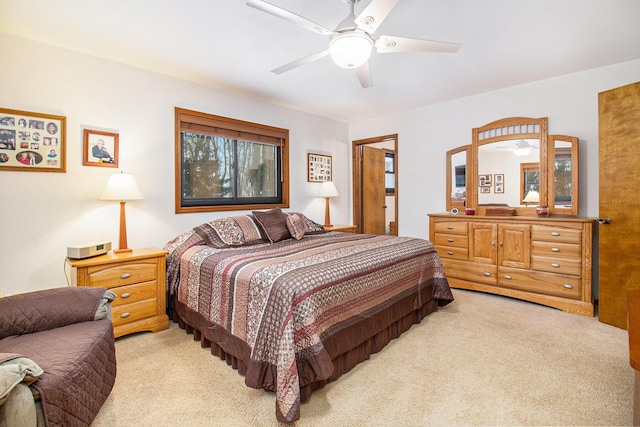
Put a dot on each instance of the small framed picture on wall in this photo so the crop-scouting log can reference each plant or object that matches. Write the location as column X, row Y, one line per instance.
column 498, row 180
column 318, row 168
column 100, row 149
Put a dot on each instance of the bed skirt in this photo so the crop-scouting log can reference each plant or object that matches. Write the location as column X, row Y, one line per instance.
column 346, row 347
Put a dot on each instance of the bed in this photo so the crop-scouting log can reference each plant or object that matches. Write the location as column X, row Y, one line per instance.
column 291, row 306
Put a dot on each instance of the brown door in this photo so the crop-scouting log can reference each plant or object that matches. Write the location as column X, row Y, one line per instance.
column 373, row 191
column 619, row 157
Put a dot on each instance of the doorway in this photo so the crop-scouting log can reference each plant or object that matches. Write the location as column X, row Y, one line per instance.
column 375, row 185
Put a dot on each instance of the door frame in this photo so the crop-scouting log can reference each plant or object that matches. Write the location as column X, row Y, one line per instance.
column 357, row 174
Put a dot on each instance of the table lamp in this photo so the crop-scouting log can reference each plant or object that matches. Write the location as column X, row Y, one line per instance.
column 327, row 190
column 532, row 197
column 121, row 187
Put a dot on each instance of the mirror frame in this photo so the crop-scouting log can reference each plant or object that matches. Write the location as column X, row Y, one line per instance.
column 450, row 153
column 512, row 128
column 574, row 141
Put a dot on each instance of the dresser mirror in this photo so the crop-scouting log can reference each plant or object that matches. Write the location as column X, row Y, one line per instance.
column 563, row 174
column 507, row 155
column 513, row 163
column 457, row 177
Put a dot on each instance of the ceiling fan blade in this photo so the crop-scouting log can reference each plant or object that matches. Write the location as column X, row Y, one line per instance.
column 364, row 75
column 300, row 62
column 288, row 16
column 393, row 44
column 373, row 15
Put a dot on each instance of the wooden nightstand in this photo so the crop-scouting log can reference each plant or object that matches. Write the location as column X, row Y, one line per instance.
column 137, row 278
column 343, row 228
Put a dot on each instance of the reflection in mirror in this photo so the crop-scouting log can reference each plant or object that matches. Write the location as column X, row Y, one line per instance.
column 530, row 183
column 507, row 160
column 563, row 177
column 457, row 178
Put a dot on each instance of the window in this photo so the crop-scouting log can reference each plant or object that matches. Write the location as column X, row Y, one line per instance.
column 227, row 164
column 530, row 183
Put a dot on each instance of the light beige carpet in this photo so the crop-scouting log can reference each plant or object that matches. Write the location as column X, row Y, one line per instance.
column 482, row 360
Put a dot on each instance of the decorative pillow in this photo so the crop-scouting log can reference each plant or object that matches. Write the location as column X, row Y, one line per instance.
column 296, row 226
column 273, row 223
column 230, row 231
column 312, row 226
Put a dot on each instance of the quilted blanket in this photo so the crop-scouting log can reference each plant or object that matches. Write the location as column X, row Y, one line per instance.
column 283, row 299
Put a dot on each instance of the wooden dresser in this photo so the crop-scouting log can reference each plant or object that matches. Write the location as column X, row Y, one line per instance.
column 543, row 260
column 137, row 278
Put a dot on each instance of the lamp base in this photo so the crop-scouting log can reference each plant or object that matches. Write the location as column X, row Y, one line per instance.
column 121, row 251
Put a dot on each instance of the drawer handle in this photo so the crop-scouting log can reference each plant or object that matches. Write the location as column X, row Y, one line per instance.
column 568, row 286
column 125, row 295
column 555, row 233
column 449, row 253
column 487, row 274
column 125, row 315
column 554, row 265
column 450, row 240
column 507, row 277
column 449, row 227
column 555, row 249
column 125, row 276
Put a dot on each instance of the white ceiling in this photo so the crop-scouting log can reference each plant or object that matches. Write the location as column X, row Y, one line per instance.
column 226, row 44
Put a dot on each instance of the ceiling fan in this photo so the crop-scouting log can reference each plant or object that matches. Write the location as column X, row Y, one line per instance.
column 351, row 42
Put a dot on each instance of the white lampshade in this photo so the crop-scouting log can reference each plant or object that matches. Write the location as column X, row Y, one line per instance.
column 328, row 189
column 350, row 50
column 532, row 197
column 121, row 186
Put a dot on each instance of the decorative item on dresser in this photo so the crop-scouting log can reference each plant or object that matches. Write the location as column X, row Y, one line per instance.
column 543, row 260
column 138, row 278
column 122, row 187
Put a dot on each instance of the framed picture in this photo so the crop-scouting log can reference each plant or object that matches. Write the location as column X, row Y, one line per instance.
column 32, row 142
column 485, row 189
column 100, row 149
column 318, row 168
column 498, row 180
column 484, row 181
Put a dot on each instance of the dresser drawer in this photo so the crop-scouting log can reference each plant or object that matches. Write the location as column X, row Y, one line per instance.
column 557, row 265
column 123, row 273
column 455, row 240
column 134, row 293
column 451, row 227
column 556, row 249
column 453, row 253
column 558, row 285
column 555, row 234
column 471, row 271
column 126, row 313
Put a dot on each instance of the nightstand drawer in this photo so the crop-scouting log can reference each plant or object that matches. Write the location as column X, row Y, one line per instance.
column 126, row 313
column 122, row 274
column 134, row 293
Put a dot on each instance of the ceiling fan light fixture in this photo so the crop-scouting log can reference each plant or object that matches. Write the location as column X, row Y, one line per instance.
column 522, row 148
column 351, row 49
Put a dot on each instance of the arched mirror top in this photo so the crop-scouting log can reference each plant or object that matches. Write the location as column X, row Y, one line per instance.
column 457, row 174
column 507, row 155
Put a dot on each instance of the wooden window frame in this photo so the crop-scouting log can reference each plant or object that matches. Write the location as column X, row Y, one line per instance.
column 227, row 127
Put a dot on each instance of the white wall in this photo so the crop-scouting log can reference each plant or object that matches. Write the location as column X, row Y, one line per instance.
column 43, row 213
column 426, row 134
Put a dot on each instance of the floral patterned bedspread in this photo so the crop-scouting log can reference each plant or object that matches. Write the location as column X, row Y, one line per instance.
column 283, row 298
